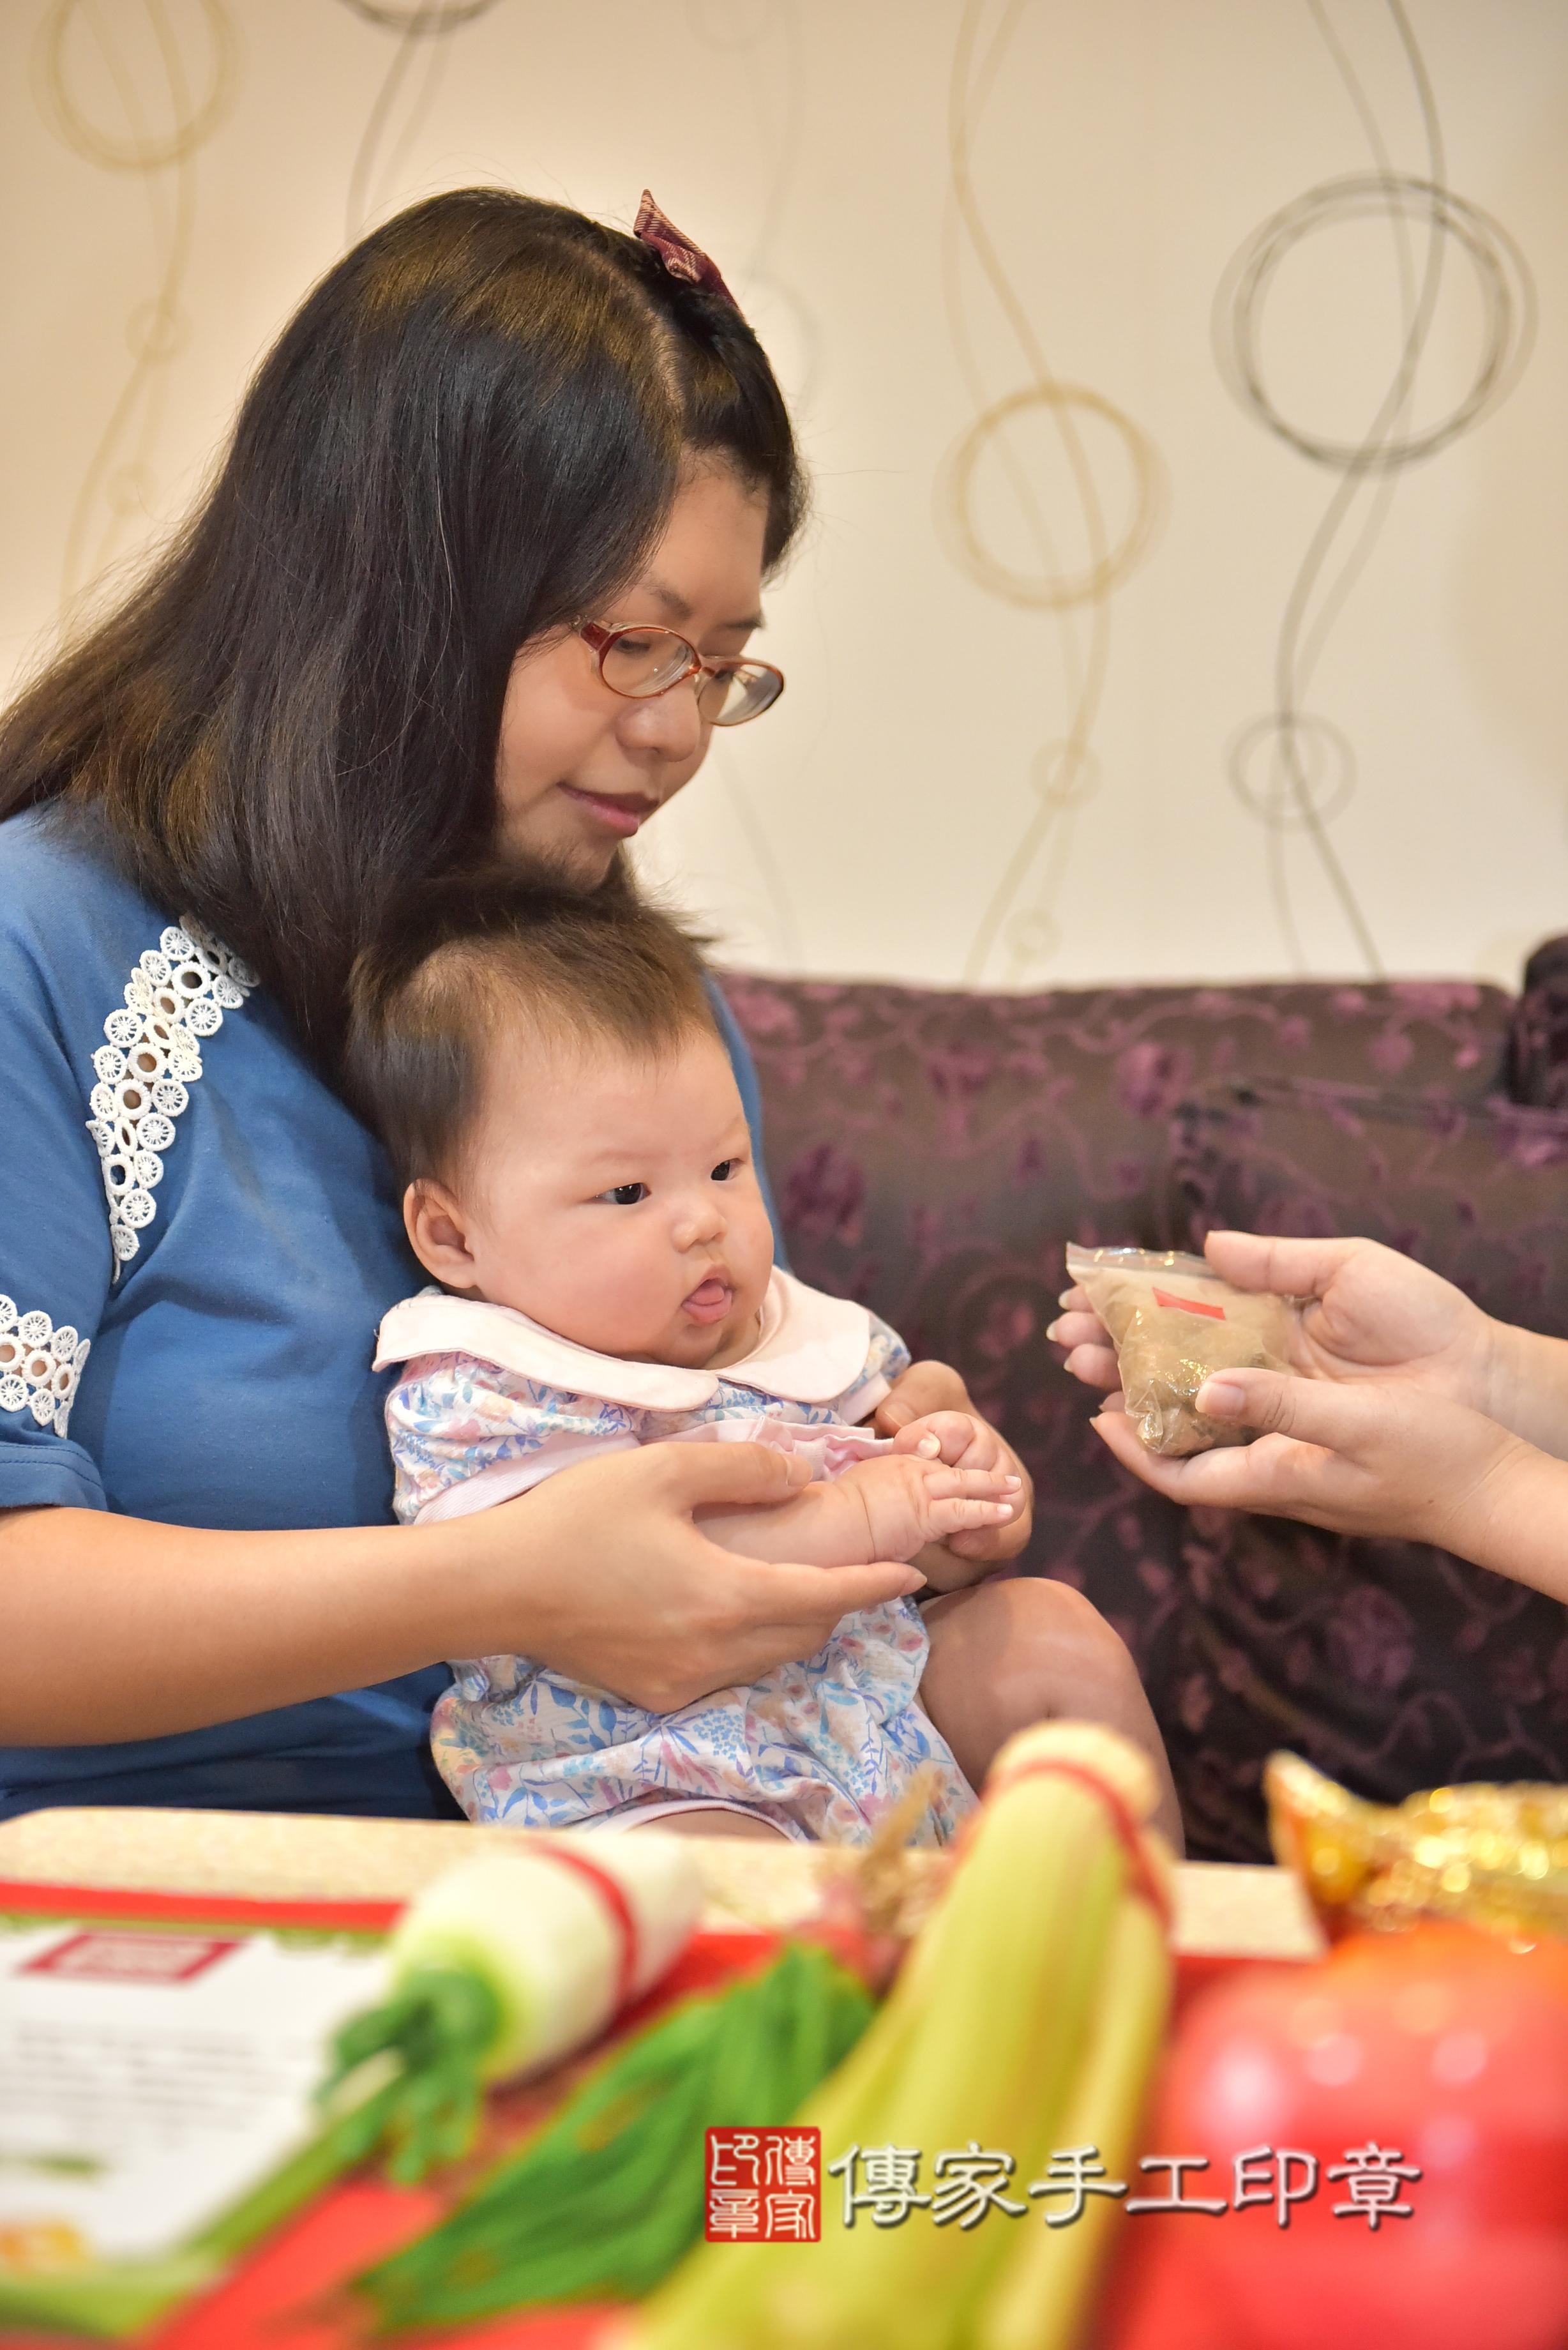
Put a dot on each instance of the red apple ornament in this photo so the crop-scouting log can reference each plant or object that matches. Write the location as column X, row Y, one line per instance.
column 1430, row 2071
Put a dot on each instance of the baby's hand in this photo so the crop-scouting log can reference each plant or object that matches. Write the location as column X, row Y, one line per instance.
column 955, row 1438
column 910, row 1502
column 948, row 1415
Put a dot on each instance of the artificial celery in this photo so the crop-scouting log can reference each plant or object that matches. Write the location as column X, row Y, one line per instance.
column 1029, row 2006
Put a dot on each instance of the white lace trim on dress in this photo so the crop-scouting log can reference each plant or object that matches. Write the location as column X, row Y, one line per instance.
column 40, row 1366
column 178, row 993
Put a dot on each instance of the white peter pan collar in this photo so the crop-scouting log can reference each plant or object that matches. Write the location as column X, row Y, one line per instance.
column 811, row 1349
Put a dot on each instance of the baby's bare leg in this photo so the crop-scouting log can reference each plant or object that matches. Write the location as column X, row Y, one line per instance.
column 696, row 1822
column 1007, row 1654
column 888, row 1508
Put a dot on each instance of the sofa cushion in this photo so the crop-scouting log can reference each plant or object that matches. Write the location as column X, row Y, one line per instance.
column 1478, row 1191
column 910, row 1128
column 1390, row 1665
column 934, row 1152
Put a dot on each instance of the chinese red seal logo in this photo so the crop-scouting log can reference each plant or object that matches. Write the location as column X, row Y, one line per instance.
column 763, row 2186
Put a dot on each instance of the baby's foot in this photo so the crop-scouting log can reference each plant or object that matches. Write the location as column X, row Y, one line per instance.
column 910, row 1503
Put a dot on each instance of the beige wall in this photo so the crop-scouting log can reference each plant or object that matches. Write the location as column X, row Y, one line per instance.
column 1120, row 154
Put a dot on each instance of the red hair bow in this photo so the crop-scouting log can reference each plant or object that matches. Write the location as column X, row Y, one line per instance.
column 679, row 254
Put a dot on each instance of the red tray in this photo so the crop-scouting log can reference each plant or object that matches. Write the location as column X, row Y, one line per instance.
column 288, row 2294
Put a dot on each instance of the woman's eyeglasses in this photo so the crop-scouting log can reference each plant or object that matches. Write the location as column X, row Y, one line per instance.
column 643, row 662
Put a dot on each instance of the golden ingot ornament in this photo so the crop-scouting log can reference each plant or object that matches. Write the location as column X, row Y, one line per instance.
column 1494, row 1856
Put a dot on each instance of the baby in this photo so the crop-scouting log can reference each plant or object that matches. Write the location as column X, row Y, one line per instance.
column 548, row 1075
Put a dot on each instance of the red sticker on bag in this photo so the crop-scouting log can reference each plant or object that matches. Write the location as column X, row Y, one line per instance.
column 1189, row 1306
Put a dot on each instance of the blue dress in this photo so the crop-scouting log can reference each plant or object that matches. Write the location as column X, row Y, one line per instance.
column 197, row 1244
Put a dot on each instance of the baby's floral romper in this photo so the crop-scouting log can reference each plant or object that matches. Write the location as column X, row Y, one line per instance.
column 489, row 1404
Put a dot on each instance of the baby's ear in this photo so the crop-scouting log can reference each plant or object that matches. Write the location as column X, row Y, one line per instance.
column 438, row 1233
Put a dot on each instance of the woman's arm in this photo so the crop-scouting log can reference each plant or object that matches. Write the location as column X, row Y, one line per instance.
column 118, row 1627
column 1529, row 1386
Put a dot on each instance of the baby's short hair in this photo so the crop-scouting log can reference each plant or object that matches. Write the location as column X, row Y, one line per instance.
column 466, row 959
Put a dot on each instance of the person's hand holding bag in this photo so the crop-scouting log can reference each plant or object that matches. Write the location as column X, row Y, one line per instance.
column 1406, row 1413
column 1393, row 1460
column 1367, row 1312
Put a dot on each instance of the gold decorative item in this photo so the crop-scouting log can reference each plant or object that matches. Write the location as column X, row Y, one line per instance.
column 1492, row 1857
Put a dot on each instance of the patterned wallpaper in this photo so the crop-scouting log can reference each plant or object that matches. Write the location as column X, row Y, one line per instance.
column 1183, row 387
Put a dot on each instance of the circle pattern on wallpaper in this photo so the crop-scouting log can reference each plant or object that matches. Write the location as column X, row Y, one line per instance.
column 136, row 88
column 1294, row 769
column 1501, row 321
column 1000, row 464
column 1065, row 774
column 414, row 17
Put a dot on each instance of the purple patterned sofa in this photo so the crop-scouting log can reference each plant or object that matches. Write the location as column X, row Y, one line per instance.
column 933, row 1152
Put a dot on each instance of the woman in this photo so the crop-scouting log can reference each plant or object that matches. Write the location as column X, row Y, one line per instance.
column 493, row 425
column 1410, row 1412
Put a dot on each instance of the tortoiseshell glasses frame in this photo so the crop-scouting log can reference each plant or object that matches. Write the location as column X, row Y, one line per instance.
column 640, row 662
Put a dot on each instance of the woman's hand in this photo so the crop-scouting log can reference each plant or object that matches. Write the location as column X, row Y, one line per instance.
column 932, row 1391
column 601, row 1574
column 1391, row 1458
column 600, row 1571
column 1373, row 1314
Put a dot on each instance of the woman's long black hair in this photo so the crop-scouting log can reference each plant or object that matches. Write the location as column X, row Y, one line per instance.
column 470, row 432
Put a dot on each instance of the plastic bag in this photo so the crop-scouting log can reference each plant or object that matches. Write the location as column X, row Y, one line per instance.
column 1173, row 1322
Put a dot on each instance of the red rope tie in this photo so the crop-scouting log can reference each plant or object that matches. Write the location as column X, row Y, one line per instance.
column 622, row 1916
